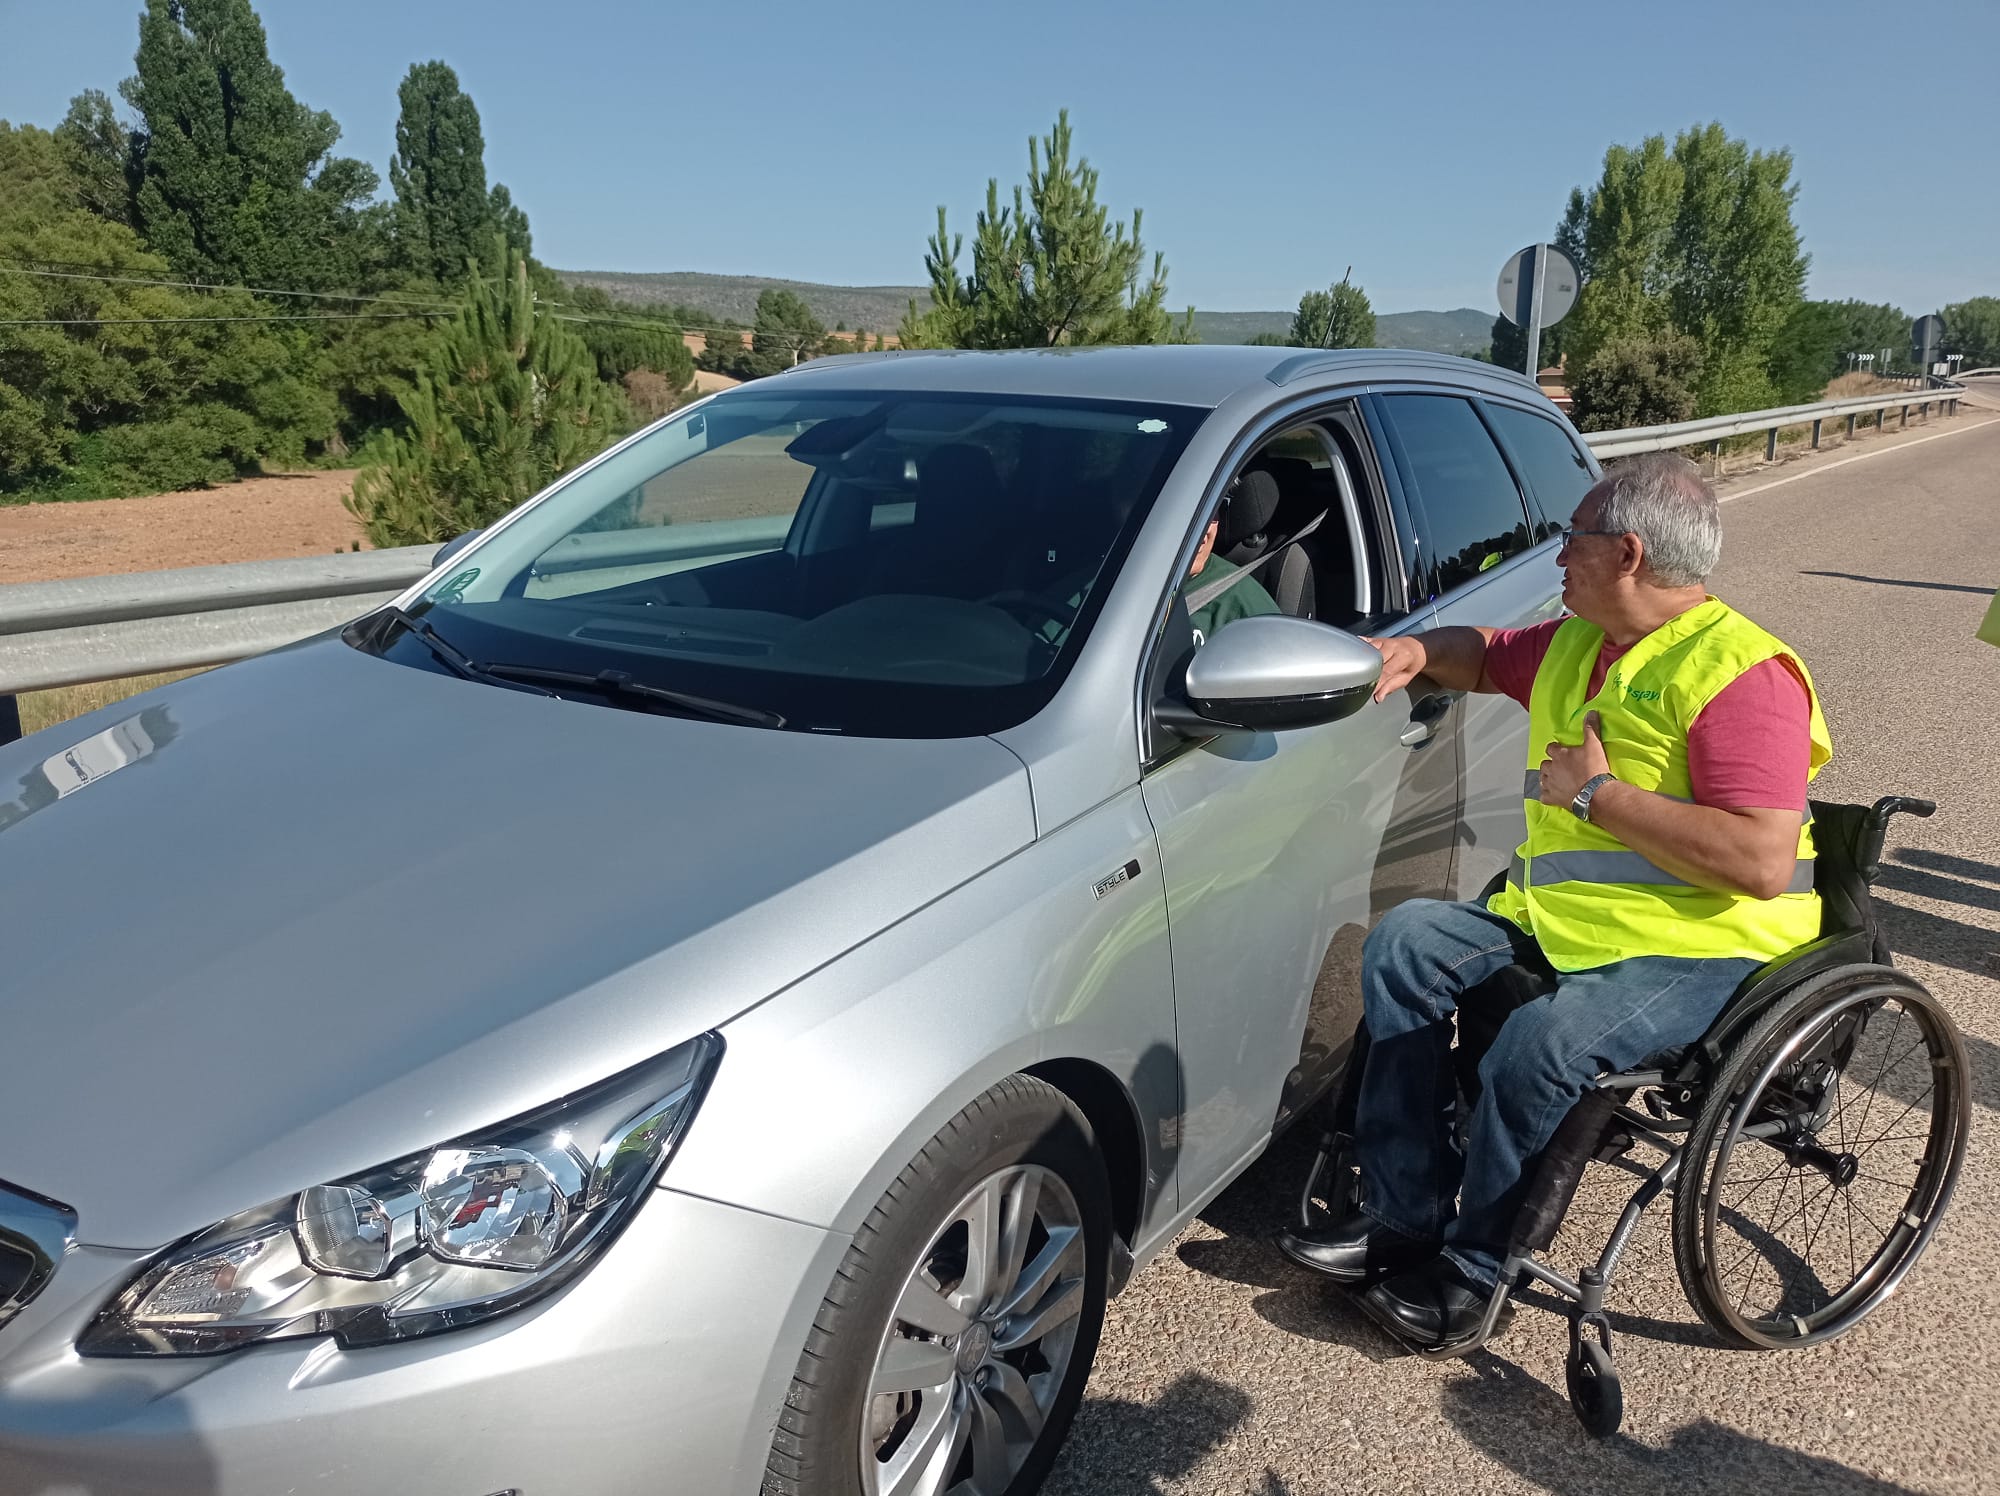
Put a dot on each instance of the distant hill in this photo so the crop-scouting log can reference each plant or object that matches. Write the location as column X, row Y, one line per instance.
column 875, row 308
column 880, row 308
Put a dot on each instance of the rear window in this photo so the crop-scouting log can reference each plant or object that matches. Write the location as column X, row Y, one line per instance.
column 1549, row 461
column 1471, row 507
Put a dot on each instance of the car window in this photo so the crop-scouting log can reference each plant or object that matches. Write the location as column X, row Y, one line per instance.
column 895, row 564
column 1466, row 492
column 1548, row 459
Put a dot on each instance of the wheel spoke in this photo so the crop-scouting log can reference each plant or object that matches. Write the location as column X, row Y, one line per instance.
column 922, row 1307
column 1805, row 1257
column 983, row 1219
column 1013, row 1400
column 1888, row 1046
column 1896, row 1184
column 992, row 1467
column 1744, row 1199
column 925, row 1461
column 1063, row 1302
column 912, row 1366
column 1031, row 1282
column 1016, row 1220
column 1846, row 1204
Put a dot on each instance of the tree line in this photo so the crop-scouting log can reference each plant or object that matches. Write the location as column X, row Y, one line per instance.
column 1692, row 299
column 200, row 286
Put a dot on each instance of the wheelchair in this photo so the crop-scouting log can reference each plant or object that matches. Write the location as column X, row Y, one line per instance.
column 1811, row 1138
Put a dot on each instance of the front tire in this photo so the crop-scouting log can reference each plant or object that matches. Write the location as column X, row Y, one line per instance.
column 951, row 1350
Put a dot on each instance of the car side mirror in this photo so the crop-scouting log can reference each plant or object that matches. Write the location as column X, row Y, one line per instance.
column 453, row 546
column 1272, row 672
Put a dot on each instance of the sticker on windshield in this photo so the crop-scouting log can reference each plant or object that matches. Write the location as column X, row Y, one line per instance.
column 1153, row 426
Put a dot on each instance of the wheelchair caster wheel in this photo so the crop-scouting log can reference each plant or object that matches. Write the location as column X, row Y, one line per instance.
column 1595, row 1394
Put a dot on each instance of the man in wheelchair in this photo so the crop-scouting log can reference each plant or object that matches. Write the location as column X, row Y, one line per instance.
column 1668, row 856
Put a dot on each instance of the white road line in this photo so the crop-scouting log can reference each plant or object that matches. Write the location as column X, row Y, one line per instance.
column 1826, row 467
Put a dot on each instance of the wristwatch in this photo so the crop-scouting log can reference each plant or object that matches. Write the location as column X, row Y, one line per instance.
column 1581, row 804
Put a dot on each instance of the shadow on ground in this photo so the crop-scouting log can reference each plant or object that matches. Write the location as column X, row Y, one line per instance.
column 1119, row 1448
column 1513, row 1419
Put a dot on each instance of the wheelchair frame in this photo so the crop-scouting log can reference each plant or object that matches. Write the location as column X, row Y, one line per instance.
column 1605, row 1126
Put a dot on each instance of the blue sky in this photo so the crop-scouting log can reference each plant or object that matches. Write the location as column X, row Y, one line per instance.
column 1270, row 144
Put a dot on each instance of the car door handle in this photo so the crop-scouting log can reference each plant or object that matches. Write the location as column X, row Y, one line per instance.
column 1425, row 718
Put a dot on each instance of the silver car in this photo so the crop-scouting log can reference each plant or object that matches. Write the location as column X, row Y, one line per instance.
column 713, row 988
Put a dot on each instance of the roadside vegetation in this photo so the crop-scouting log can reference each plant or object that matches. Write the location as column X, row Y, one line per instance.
column 195, row 285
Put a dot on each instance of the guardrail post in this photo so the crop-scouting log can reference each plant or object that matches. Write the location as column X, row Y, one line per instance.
column 1815, row 439
column 1771, row 445
column 1850, row 425
column 1715, row 458
column 1904, row 423
column 10, row 719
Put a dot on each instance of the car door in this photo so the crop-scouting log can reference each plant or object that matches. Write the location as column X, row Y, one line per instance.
column 1485, row 562
column 1279, row 851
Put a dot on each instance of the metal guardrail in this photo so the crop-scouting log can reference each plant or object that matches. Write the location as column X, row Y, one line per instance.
column 1713, row 430
column 71, row 633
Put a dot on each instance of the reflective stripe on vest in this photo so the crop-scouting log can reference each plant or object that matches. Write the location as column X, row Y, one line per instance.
column 1619, row 867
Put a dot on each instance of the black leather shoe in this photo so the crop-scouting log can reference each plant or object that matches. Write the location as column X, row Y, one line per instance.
column 1358, row 1250
column 1433, row 1306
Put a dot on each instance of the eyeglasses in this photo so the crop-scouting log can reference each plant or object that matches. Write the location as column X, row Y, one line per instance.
column 1567, row 533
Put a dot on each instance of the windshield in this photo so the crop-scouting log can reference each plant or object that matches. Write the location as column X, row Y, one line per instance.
column 905, row 565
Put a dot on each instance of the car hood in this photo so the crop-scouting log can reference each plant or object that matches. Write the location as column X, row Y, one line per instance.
column 272, row 925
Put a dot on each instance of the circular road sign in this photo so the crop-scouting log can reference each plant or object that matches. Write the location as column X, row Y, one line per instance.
column 1559, row 284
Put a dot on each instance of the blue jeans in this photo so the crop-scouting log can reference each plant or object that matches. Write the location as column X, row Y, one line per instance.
column 1416, row 963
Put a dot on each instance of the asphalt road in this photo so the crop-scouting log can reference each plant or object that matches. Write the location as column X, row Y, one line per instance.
column 1226, row 1370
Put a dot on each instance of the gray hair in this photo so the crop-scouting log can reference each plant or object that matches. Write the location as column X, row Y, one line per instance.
column 1663, row 499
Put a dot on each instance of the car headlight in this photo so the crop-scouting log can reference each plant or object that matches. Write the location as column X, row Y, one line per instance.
column 448, row 1237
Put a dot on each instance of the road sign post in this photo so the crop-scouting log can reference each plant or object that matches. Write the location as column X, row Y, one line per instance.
column 1538, row 287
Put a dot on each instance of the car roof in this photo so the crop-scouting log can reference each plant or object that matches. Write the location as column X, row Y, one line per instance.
column 1189, row 374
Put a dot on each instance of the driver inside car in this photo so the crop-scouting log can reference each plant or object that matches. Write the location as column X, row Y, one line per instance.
column 1244, row 598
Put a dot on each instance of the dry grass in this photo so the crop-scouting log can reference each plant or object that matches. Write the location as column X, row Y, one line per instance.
column 41, row 709
column 1858, row 383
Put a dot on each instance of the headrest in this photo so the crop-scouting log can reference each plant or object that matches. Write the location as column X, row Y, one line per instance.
column 1252, row 504
column 959, row 471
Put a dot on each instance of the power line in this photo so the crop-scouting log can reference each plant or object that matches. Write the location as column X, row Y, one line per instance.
column 563, row 311
column 271, row 317
column 15, row 267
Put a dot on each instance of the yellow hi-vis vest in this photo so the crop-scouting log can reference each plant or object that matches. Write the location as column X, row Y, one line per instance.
column 1586, row 897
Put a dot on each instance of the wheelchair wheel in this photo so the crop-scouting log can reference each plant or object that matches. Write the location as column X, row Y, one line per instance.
column 1821, row 1160
column 1596, row 1395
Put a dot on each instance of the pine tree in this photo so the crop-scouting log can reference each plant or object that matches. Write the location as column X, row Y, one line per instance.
column 443, row 212
column 234, row 177
column 1052, row 269
column 1338, row 317
column 786, row 332
column 508, row 401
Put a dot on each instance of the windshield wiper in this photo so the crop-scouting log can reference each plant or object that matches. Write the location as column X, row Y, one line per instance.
column 617, row 683
column 447, row 653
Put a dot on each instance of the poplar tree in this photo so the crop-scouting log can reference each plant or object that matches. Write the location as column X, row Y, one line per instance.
column 234, row 179
column 443, row 212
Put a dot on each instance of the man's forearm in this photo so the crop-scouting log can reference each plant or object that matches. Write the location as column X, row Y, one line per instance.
column 1709, row 847
column 1455, row 657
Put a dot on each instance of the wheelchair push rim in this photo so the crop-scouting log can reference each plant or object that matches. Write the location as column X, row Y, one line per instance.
column 1822, row 1178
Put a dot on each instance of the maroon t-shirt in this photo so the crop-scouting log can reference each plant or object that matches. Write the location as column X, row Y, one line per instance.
column 1751, row 747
